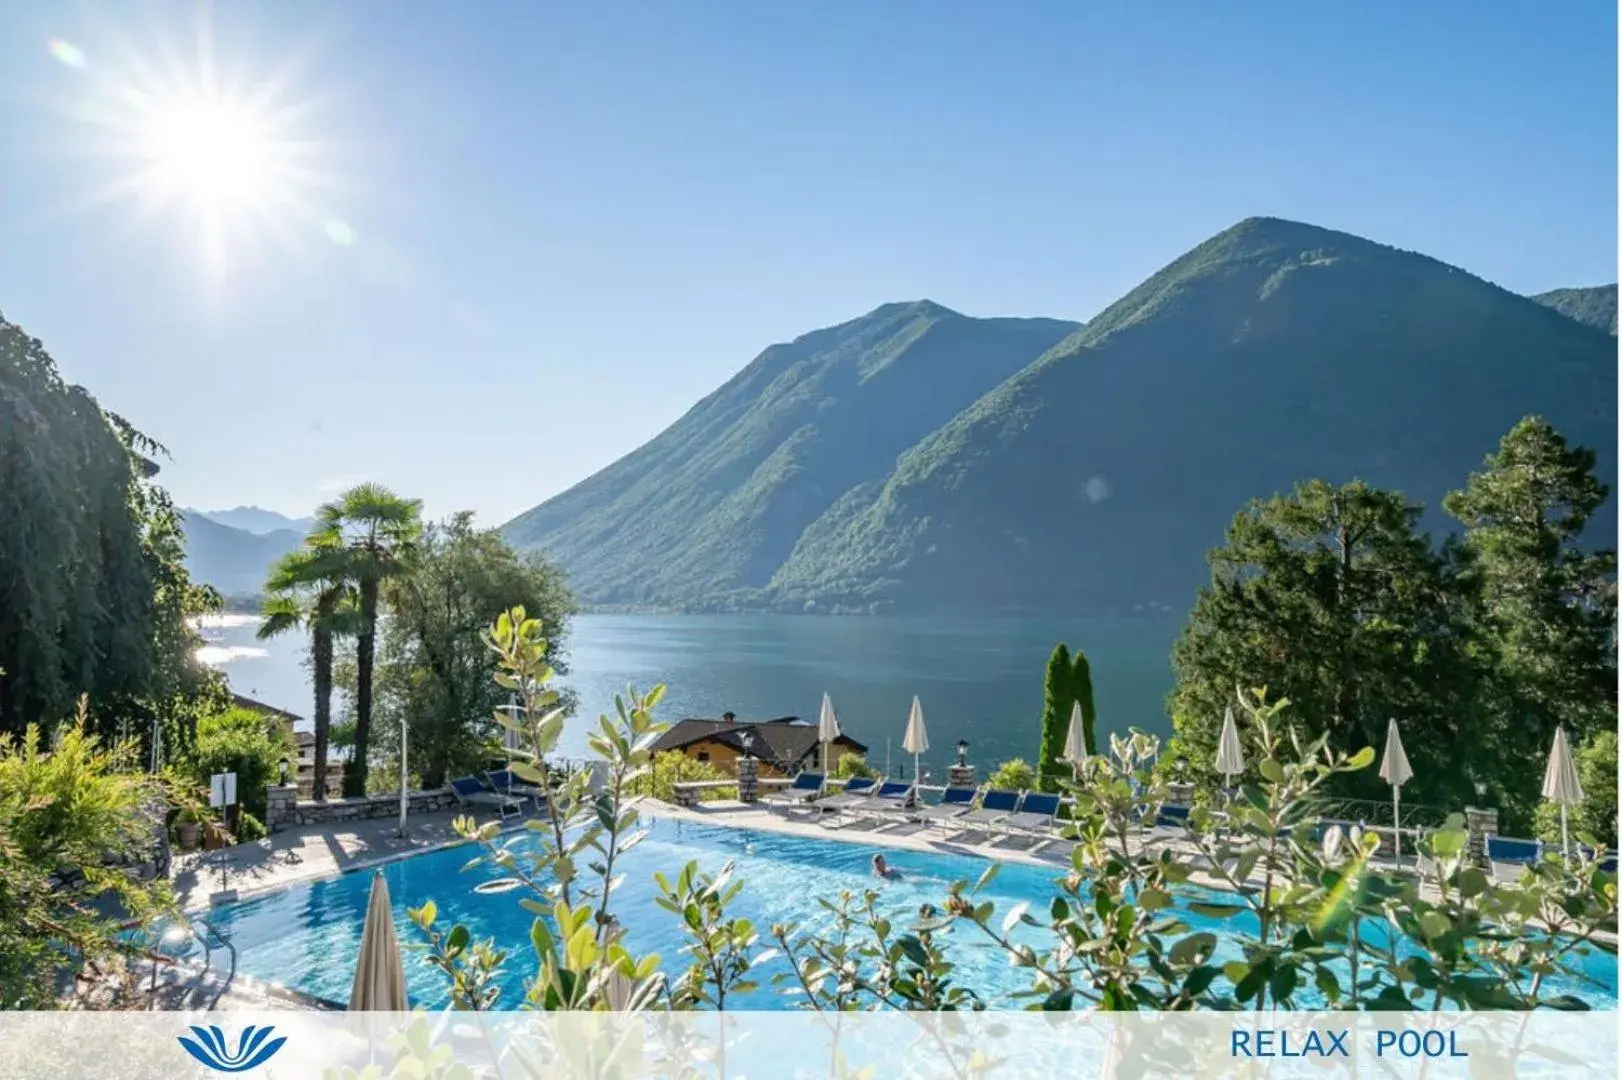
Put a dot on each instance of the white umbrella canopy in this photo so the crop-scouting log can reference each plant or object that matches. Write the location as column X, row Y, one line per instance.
column 827, row 728
column 916, row 741
column 1560, row 784
column 1230, row 759
column 1075, row 742
column 1395, row 770
column 379, row 976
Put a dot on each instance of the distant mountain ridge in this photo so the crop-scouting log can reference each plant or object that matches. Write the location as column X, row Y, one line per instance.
column 713, row 505
column 255, row 519
column 916, row 459
column 234, row 561
column 1592, row 306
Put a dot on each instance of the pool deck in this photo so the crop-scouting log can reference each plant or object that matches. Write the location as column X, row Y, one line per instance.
column 321, row 851
column 907, row 835
column 303, row 854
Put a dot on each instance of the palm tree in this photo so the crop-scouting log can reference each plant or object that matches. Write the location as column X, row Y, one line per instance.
column 376, row 530
column 307, row 590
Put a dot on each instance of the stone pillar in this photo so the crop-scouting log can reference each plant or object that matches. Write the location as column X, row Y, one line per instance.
column 1180, row 794
column 280, row 799
column 960, row 775
column 1482, row 824
column 748, row 775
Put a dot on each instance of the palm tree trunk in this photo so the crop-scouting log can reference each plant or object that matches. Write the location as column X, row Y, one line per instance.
column 365, row 651
column 321, row 661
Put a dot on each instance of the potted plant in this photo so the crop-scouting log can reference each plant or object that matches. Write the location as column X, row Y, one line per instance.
column 215, row 835
column 190, row 810
column 186, row 828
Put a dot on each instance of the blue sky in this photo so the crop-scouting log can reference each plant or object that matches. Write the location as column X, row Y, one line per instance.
column 568, row 222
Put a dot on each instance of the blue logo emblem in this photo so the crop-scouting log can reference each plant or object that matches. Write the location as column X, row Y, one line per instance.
column 252, row 1049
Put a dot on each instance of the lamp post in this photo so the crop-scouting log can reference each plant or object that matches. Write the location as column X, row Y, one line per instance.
column 963, row 751
column 282, row 766
column 748, row 769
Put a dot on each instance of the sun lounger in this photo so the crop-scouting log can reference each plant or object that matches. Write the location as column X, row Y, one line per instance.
column 1510, row 857
column 892, row 796
column 858, row 790
column 995, row 805
column 1171, row 823
column 505, row 783
column 471, row 794
column 955, row 802
column 1036, row 813
column 806, row 787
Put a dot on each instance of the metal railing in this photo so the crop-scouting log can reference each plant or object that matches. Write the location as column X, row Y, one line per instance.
column 183, row 931
column 1378, row 813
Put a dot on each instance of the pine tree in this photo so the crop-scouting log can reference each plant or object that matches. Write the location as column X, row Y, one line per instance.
column 1541, row 606
column 1055, row 716
column 1081, row 689
column 1331, row 597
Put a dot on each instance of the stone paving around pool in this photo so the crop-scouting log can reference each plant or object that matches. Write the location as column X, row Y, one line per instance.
column 303, row 853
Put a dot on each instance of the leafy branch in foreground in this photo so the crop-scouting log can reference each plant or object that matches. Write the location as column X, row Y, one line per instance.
column 1258, row 903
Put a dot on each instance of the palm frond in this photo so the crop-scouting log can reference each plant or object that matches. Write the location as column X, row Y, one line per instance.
column 282, row 613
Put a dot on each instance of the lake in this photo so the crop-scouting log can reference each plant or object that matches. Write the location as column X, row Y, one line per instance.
column 978, row 679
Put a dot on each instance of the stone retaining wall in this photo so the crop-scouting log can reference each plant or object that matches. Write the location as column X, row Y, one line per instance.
column 286, row 810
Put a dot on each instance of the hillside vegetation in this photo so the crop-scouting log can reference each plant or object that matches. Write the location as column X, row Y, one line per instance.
column 919, row 460
column 710, row 508
column 1594, row 306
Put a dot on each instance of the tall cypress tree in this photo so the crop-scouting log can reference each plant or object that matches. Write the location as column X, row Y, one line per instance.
column 1055, row 715
column 1081, row 689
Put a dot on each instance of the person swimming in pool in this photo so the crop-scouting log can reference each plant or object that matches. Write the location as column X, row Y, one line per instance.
column 883, row 869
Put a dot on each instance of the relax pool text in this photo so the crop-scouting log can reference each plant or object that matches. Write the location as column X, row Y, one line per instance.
column 1267, row 1043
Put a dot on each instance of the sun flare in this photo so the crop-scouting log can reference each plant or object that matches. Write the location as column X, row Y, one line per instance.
column 220, row 156
column 224, row 164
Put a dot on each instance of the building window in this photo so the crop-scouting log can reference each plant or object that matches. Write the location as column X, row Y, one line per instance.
column 704, row 755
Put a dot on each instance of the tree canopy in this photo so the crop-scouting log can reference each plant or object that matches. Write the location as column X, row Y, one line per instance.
column 1332, row 598
column 434, row 672
column 94, row 595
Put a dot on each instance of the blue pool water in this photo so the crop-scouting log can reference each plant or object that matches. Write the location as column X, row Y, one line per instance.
column 306, row 937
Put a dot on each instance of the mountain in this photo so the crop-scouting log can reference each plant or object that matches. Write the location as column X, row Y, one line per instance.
column 712, row 506
column 1094, row 476
column 256, row 520
column 1098, row 476
column 232, row 560
column 1594, row 306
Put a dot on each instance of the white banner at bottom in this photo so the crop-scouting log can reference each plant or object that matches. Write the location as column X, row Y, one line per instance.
column 762, row 1045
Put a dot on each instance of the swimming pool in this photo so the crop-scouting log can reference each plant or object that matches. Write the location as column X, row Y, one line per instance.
column 306, row 937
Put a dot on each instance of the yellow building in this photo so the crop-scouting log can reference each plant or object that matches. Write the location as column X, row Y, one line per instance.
column 783, row 746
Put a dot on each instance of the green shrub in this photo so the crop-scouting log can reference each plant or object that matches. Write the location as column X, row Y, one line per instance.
column 852, row 765
column 672, row 768
column 250, row 828
column 1014, row 775
column 69, row 811
column 246, row 743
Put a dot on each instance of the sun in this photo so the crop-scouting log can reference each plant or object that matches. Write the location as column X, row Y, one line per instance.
column 211, row 154
column 220, row 155
column 225, row 165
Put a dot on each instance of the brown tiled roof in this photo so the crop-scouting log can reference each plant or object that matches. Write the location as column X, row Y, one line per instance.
column 786, row 741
